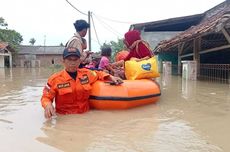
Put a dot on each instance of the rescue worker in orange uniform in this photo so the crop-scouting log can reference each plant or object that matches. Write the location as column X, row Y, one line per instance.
column 71, row 87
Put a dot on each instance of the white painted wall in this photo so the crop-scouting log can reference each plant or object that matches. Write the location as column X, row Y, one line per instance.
column 153, row 38
column 2, row 62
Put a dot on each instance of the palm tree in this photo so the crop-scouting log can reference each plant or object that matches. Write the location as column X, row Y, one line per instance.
column 32, row 41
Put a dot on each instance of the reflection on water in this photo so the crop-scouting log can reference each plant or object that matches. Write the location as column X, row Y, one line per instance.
column 6, row 73
column 101, row 130
column 166, row 80
column 188, row 89
column 180, row 136
column 19, row 87
column 190, row 116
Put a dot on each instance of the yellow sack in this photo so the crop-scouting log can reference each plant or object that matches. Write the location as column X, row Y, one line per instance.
column 144, row 69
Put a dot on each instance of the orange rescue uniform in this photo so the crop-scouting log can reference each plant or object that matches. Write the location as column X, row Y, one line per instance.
column 71, row 96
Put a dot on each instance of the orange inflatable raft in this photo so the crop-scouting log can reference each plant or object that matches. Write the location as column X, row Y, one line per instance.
column 131, row 93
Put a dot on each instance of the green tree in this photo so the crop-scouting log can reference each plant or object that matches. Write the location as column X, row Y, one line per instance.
column 11, row 36
column 32, row 41
column 3, row 23
column 116, row 46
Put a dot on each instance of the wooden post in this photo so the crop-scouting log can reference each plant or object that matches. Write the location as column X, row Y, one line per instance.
column 226, row 35
column 180, row 50
column 179, row 65
column 196, row 55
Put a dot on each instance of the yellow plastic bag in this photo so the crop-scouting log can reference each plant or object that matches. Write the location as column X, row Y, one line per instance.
column 144, row 69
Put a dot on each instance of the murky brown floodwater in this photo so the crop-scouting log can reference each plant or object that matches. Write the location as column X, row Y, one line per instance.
column 191, row 116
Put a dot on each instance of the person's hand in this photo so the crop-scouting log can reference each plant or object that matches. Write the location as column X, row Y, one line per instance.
column 113, row 65
column 118, row 63
column 116, row 80
column 88, row 53
column 106, row 71
column 49, row 111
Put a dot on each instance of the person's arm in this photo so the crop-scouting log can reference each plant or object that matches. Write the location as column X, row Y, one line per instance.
column 110, row 68
column 115, row 80
column 47, row 99
column 106, row 65
column 75, row 42
column 118, row 63
column 49, row 111
column 100, row 75
column 85, row 56
column 88, row 52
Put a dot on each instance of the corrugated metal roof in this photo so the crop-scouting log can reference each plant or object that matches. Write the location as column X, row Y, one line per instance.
column 26, row 49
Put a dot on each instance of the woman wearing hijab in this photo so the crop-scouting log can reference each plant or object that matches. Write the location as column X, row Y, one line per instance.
column 138, row 48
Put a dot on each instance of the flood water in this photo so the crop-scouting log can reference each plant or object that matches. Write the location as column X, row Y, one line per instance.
column 191, row 116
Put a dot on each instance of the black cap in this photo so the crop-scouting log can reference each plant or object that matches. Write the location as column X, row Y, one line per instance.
column 71, row 52
column 80, row 25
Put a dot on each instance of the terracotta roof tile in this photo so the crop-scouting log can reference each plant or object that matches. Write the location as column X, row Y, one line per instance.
column 207, row 25
column 3, row 45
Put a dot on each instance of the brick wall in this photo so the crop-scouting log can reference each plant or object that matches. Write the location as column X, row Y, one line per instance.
column 45, row 60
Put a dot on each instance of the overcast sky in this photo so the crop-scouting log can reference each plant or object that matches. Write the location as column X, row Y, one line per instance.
column 51, row 21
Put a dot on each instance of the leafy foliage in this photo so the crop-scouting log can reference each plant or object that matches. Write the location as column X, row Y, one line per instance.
column 32, row 41
column 116, row 46
column 11, row 36
column 3, row 23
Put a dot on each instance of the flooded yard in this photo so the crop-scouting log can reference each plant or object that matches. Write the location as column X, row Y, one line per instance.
column 190, row 116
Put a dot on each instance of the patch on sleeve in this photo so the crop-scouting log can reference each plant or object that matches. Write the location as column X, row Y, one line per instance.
column 63, row 85
column 46, row 89
column 84, row 79
column 93, row 73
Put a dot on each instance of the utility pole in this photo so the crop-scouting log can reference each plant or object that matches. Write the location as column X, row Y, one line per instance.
column 44, row 45
column 89, row 15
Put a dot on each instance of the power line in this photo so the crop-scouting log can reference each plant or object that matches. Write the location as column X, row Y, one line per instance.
column 108, row 27
column 95, row 30
column 106, row 18
column 123, row 22
column 76, row 8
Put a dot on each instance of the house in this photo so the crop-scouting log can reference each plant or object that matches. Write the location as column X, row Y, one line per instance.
column 39, row 56
column 5, row 55
column 206, row 41
column 157, row 31
column 154, row 32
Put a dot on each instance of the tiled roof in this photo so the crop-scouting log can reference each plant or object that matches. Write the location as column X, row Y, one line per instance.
column 3, row 45
column 210, row 24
